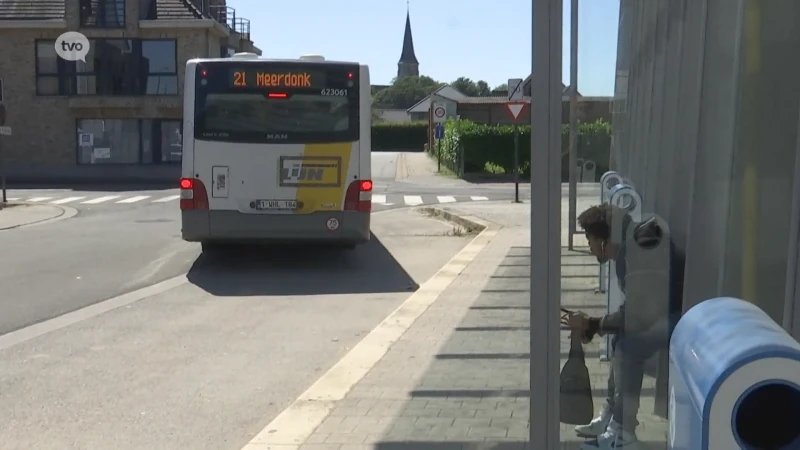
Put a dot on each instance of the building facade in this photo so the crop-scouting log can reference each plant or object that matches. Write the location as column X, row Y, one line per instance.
column 117, row 115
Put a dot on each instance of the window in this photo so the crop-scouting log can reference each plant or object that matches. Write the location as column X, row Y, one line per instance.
column 159, row 67
column 49, row 71
column 148, row 10
column 108, row 141
column 129, row 141
column 112, row 67
column 171, row 141
column 296, row 114
column 102, row 13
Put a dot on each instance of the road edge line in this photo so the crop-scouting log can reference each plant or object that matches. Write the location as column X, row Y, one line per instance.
column 401, row 171
column 295, row 424
column 56, row 323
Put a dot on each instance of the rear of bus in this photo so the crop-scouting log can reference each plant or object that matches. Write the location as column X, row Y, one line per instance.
column 280, row 152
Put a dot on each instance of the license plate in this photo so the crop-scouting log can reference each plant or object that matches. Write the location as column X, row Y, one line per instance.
column 276, row 205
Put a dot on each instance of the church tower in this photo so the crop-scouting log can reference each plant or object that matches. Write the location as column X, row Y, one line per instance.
column 408, row 64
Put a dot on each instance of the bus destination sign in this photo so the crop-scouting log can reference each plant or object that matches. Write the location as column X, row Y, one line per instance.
column 259, row 78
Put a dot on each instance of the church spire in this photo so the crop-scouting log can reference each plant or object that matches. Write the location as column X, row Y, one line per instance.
column 408, row 64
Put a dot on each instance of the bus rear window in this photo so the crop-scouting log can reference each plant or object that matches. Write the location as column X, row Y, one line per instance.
column 296, row 113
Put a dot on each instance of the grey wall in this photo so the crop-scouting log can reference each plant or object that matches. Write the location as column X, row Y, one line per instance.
column 706, row 130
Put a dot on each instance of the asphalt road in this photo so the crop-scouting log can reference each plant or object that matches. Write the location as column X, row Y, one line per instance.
column 204, row 365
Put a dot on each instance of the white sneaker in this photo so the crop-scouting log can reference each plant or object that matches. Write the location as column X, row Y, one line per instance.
column 598, row 425
column 613, row 438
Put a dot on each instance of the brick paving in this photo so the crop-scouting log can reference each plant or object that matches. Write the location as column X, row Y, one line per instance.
column 459, row 377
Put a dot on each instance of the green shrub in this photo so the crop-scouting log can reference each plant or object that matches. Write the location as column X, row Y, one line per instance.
column 492, row 146
column 390, row 136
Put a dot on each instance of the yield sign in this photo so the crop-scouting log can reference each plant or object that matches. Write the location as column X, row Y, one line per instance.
column 515, row 109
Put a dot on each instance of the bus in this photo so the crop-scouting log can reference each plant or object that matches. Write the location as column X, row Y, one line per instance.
column 276, row 151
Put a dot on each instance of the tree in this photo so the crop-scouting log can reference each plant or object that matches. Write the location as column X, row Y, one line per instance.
column 483, row 89
column 471, row 88
column 502, row 88
column 407, row 91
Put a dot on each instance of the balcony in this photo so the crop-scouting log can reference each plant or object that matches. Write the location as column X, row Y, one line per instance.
column 227, row 17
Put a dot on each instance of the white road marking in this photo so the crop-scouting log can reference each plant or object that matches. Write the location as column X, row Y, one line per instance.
column 167, row 199
column 138, row 198
column 33, row 331
column 100, row 200
column 412, row 200
column 39, row 199
column 478, row 198
column 13, row 199
column 378, row 199
column 67, row 200
column 446, row 199
column 292, row 427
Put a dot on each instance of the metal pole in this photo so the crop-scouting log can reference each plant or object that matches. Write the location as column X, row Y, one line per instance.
column 516, row 163
column 438, row 155
column 573, row 124
column 3, row 173
column 545, row 220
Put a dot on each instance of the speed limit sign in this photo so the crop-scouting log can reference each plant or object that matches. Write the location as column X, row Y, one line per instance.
column 439, row 113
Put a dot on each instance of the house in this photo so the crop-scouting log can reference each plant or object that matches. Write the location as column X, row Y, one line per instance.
column 126, row 96
column 492, row 110
column 445, row 95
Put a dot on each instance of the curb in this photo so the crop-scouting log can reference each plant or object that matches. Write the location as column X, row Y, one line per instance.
column 471, row 223
column 65, row 212
column 292, row 427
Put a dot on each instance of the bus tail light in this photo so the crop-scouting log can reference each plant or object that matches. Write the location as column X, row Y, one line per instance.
column 359, row 196
column 193, row 195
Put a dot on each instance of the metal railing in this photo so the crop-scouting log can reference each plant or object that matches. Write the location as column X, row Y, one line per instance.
column 223, row 14
column 227, row 17
column 242, row 26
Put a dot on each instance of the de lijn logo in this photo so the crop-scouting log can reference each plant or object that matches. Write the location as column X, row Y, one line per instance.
column 72, row 46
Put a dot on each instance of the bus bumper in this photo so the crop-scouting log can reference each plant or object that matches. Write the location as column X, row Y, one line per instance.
column 234, row 226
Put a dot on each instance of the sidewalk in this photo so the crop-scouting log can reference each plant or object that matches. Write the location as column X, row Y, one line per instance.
column 459, row 377
column 419, row 168
column 15, row 215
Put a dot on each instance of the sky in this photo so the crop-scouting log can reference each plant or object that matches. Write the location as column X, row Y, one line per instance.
column 478, row 39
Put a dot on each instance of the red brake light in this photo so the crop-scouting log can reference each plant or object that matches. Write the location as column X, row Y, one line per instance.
column 204, row 73
column 193, row 195
column 350, row 75
column 277, row 95
column 358, row 196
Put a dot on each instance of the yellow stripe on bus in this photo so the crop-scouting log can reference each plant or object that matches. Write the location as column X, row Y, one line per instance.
column 330, row 164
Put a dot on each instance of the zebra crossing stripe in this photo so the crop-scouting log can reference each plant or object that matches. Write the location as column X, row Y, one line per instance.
column 95, row 201
column 167, row 199
column 39, row 199
column 378, row 199
column 66, row 200
column 478, row 198
column 446, row 199
column 412, row 200
column 138, row 198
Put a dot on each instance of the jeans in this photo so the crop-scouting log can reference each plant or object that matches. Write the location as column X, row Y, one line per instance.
column 630, row 352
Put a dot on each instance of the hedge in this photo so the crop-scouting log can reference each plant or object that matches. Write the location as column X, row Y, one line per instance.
column 399, row 136
column 491, row 146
